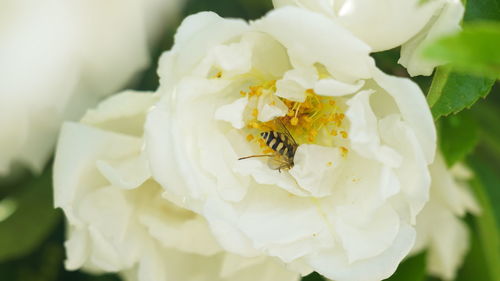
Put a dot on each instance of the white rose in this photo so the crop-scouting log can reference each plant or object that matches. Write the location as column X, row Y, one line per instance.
column 360, row 174
column 387, row 24
column 439, row 228
column 118, row 219
column 60, row 57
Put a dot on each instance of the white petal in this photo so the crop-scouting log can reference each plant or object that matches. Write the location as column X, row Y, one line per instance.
column 334, row 88
column 295, row 82
column 316, row 168
column 123, row 113
column 364, row 132
column 386, row 24
column 334, row 264
column 73, row 164
column 413, row 107
column 447, row 22
column 369, row 239
column 232, row 59
column 194, row 38
column 346, row 61
column 233, row 112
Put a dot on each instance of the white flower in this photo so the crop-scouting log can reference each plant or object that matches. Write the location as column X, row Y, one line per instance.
column 360, row 175
column 118, row 219
column 387, row 24
column 60, row 57
column 439, row 228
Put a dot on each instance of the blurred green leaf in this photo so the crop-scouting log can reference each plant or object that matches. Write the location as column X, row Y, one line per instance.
column 474, row 266
column 32, row 220
column 246, row 9
column 313, row 277
column 451, row 92
column 42, row 265
column 412, row 269
column 482, row 10
column 475, row 50
column 486, row 186
column 459, row 135
column 488, row 118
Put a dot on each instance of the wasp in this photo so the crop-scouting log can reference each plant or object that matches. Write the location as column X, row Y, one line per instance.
column 284, row 146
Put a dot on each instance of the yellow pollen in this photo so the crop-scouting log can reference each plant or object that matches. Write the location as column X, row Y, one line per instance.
column 254, row 125
column 268, row 150
column 310, row 92
column 313, row 132
column 344, row 134
column 334, row 133
column 290, row 113
column 243, row 93
column 219, row 74
column 294, row 121
column 250, row 137
column 329, row 164
column 262, row 143
column 332, row 102
column 344, row 151
column 255, row 112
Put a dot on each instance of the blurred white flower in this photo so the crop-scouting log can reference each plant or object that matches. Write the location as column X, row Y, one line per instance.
column 440, row 229
column 60, row 57
column 360, row 173
column 387, row 24
column 118, row 219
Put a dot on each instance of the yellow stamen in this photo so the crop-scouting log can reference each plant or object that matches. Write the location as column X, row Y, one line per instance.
column 344, row 151
column 255, row 112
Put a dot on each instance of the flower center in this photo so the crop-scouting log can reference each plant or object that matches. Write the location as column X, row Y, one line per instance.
column 316, row 120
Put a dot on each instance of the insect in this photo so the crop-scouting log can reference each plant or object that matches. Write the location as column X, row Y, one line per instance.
column 284, row 146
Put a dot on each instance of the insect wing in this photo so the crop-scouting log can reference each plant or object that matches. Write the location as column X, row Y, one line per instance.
column 286, row 132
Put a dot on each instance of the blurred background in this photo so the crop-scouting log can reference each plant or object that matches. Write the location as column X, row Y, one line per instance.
column 32, row 232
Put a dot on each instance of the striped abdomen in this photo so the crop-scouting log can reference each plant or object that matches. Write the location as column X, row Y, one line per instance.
column 280, row 143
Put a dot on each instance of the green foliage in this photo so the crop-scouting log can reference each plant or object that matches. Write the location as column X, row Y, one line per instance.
column 313, row 277
column 451, row 92
column 459, row 135
column 247, row 9
column 479, row 10
column 488, row 117
column 412, row 269
column 32, row 220
column 486, row 186
column 475, row 265
column 42, row 265
column 475, row 50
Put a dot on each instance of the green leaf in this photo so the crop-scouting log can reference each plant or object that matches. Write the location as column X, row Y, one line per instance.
column 43, row 265
column 32, row 220
column 475, row 50
column 474, row 266
column 412, row 269
column 488, row 117
column 486, row 186
column 451, row 92
column 482, row 10
column 313, row 277
column 459, row 135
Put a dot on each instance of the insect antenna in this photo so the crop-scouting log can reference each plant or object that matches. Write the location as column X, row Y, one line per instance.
column 253, row 156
